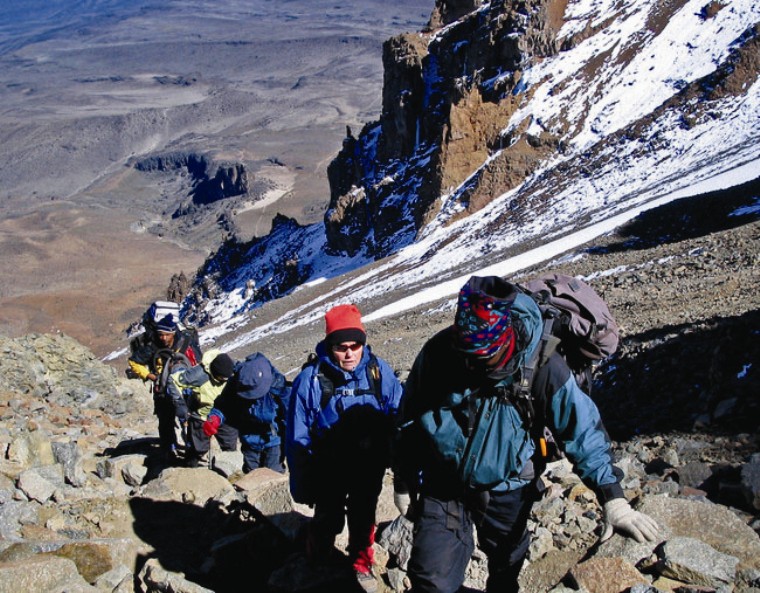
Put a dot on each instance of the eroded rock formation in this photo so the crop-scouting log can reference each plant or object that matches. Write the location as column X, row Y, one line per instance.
column 447, row 95
column 212, row 181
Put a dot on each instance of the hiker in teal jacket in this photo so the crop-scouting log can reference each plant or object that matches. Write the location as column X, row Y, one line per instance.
column 466, row 453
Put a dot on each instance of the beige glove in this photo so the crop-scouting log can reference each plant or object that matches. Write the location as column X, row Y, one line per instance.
column 402, row 502
column 618, row 514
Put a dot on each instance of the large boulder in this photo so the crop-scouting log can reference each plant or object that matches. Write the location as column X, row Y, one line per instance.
column 194, row 486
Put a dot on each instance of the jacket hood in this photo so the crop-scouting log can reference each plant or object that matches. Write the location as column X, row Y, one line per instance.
column 208, row 358
column 529, row 325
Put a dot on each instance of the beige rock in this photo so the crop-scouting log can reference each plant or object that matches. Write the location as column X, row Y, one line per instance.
column 195, row 486
column 40, row 574
column 95, row 558
column 31, row 449
column 606, row 575
column 713, row 524
column 155, row 579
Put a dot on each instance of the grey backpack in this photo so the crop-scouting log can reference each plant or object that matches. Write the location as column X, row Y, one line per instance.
column 580, row 323
column 579, row 326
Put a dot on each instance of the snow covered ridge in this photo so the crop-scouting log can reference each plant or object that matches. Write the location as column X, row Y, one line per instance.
column 640, row 107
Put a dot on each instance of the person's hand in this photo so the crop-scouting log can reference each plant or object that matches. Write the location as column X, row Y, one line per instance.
column 402, row 500
column 211, row 425
column 618, row 514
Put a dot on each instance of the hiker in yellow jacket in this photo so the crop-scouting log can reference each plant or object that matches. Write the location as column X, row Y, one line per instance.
column 193, row 391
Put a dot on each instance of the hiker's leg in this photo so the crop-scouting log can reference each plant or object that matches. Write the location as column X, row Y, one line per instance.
column 199, row 443
column 361, row 506
column 227, row 437
column 271, row 458
column 251, row 458
column 328, row 520
column 163, row 407
column 504, row 538
column 442, row 546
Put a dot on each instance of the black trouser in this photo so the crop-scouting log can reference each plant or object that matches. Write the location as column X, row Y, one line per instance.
column 199, row 443
column 350, row 495
column 163, row 408
column 443, row 541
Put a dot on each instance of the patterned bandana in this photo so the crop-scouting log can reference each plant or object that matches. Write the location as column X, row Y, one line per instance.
column 483, row 323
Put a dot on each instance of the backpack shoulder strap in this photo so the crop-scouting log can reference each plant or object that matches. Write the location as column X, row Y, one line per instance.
column 183, row 341
column 170, row 358
column 522, row 391
column 375, row 379
column 327, row 385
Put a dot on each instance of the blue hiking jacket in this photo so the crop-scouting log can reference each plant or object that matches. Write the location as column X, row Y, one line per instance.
column 260, row 422
column 351, row 425
column 442, row 452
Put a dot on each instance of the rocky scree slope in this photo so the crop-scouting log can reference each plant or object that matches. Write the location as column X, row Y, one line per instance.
column 86, row 506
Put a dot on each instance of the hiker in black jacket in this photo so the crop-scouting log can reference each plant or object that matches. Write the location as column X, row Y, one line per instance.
column 466, row 451
column 168, row 348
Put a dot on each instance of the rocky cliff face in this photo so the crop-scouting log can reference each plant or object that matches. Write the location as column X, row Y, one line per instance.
column 445, row 129
column 507, row 124
column 443, row 111
column 226, row 284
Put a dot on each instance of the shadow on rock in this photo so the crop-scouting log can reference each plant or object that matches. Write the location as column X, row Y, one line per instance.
column 689, row 218
column 701, row 376
column 218, row 546
column 138, row 446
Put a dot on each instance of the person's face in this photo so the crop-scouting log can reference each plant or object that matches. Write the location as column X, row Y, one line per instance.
column 347, row 354
column 486, row 364
column 218, row 380
column 166, row 339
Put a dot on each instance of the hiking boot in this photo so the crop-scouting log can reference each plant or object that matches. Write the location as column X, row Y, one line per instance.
column 366, row 580
column 193, row 460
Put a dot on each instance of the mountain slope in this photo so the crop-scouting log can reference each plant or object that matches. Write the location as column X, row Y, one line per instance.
column 515, row 124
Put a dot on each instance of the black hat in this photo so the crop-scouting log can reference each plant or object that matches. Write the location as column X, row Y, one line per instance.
column 166, row 325
column 222, row 367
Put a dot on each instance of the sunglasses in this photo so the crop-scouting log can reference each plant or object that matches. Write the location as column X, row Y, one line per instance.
column 343, row 348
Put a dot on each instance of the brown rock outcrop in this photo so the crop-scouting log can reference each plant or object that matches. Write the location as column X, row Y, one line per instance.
column 447, row 96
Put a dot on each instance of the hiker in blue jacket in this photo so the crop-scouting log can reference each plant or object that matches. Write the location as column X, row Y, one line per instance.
column 255, row 402
column 466, row 453
column 340, row 426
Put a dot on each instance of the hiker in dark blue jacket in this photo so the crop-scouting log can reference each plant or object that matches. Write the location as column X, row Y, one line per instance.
column 340, row 426
column 466, row 452
column 255, row 402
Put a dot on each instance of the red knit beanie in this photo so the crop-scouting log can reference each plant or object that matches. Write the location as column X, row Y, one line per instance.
column 343, row 323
